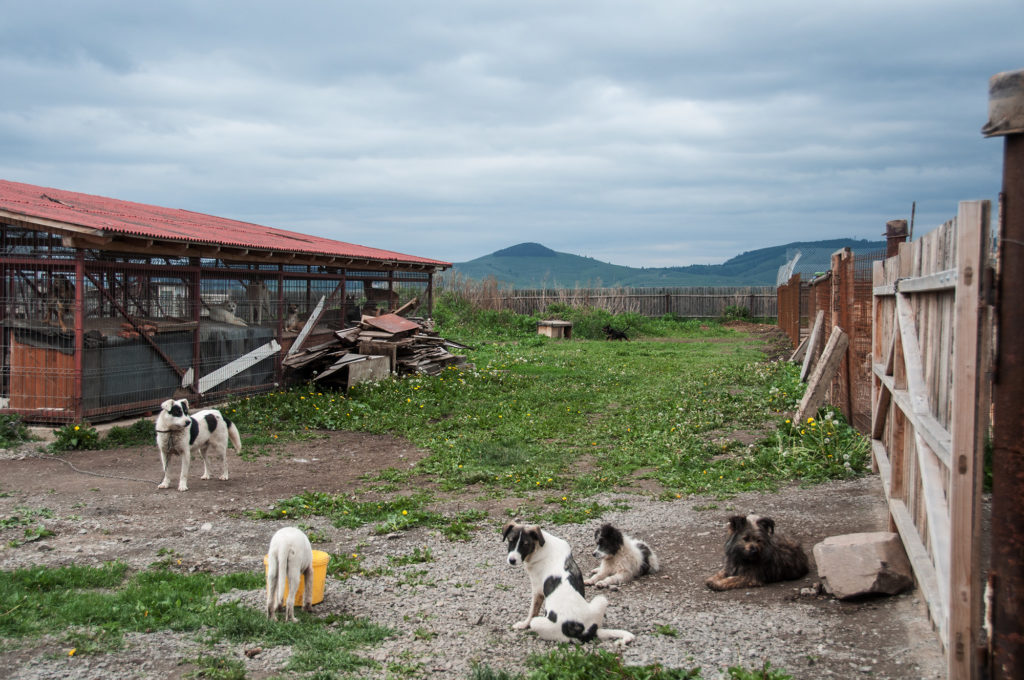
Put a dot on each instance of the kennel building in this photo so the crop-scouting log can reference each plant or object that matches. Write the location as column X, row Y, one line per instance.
column 109, row 307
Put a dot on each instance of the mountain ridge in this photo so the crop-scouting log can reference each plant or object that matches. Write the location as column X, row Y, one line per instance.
column 533, row 265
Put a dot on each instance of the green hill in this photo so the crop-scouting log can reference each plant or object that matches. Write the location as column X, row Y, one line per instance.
column 532, row 265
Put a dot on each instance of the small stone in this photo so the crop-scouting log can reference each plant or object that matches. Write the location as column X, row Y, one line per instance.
column 206, row 526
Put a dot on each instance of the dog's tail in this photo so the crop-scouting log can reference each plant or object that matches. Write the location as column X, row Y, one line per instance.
column 236, row 439
column 273, row 596
column 651, row 563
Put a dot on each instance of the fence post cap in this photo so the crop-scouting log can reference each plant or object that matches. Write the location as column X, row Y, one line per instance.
column 1005, row 104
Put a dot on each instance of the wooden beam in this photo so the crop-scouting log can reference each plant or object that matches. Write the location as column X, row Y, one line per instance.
column 912, row 355
column 823, row 374
column 927, row 425
column 813, row 345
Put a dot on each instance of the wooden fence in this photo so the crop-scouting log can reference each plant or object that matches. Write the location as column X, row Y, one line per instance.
column 919, row 359
column 932, row 364
column 697, row 302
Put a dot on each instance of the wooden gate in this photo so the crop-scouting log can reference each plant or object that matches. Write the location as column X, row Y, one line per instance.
column 931, row 355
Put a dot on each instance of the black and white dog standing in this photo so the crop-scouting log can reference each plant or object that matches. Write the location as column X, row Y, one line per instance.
column 556, row 582
column 623, row 558
column 204, row 432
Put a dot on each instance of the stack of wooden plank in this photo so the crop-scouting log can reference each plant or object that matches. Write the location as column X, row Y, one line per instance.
column 411, row 346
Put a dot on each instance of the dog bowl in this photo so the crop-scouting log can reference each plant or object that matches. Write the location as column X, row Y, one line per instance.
column 320, row 559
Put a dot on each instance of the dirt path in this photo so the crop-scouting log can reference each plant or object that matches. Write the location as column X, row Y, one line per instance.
column 470, row 594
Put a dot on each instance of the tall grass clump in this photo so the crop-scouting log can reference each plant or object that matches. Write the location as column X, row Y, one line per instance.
column 12, row 431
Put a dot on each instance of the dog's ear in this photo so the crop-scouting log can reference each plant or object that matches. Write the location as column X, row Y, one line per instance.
column 506, row 530
column 184, row 406
column 767, row 525
column 737, row 522
column 166, row 406
column 537, row 535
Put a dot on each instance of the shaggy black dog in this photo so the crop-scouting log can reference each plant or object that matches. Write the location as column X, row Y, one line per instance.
column 612, row 334
column 755, row 555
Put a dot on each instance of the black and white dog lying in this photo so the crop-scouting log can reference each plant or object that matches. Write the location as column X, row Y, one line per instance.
column 556, row 582
column 179, row 434
column 623, row 558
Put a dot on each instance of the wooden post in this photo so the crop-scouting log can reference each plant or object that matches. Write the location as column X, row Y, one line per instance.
column 1006, row 95
column 895, row 234
column 968, row 428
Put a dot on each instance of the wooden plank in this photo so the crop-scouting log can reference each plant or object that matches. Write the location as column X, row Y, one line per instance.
column 823, row 374
column 799, row 352
column 813, row 345
column 912, row 355
column 309, row 325
column 969, row 413
column 925, row 424
column 936, row 510
column 920, row 560
column 211, row 380
column 928, row 283
column 880, row 409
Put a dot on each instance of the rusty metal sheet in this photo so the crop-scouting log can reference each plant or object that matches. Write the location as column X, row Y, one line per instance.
column 391, row 323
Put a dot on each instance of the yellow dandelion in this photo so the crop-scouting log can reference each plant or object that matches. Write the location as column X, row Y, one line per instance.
column 405, row 512
column 76, row 428
column 71, row 652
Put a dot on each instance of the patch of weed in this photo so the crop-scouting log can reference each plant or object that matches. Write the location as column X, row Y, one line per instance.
column 139, row 433
column 75, row 437
column 13, row 431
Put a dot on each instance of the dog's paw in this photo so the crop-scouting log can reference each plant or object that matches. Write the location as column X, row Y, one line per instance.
column 206, row 475
column 183, row 487
column 625, row 639
column 520, row 625
column 224, row 476
column 713, row 583
column 163, row 485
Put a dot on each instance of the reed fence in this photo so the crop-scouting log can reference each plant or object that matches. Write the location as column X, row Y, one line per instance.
column 692, row 302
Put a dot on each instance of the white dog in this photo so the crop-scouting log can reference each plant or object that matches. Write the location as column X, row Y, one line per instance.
column 179, row 434
column 290, row 556
column 556, row 581
column 623, row 558
column 224, row 312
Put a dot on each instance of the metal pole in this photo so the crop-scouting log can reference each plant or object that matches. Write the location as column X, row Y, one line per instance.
column 1006, row 118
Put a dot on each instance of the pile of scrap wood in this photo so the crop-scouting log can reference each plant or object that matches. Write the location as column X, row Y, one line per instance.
column 411, row 346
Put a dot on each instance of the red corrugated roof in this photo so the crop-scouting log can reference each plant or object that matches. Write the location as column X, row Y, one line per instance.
column 151, row 221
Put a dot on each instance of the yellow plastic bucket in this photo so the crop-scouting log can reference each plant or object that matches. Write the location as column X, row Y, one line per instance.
column 320, row 559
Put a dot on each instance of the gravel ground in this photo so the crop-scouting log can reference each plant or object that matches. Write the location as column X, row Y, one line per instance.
column 468, row 597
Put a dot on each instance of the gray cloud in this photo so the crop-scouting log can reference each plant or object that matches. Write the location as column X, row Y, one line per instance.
column 641, row 133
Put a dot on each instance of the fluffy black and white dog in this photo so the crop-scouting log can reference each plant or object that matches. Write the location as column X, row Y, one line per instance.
column 181, row 434
column 556, row 582
column 623, row 558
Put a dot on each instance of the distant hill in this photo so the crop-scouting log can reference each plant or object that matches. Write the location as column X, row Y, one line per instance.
column 532, row 265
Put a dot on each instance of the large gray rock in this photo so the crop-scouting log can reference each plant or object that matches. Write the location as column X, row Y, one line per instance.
column 872, row 563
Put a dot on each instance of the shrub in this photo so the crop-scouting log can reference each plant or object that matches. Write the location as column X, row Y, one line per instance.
column 736, row 313
column 79, row 436
column 12, row 431
column 138, row 433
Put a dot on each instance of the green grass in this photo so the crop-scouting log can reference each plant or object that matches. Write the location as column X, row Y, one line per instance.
column 568, row 662
column 530, row 410
column 108, row 602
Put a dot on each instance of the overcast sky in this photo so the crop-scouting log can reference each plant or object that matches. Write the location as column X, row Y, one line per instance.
column 640, row 132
